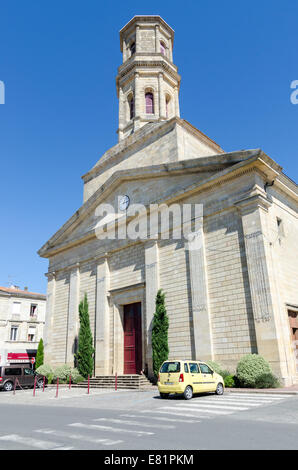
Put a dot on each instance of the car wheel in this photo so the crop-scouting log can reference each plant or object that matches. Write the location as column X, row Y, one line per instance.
column 219, row 389
column 164, row 395
column 188, row 393
column 8, row 386
column 40, row 383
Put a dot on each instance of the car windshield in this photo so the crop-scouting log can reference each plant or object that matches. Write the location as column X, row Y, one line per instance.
column 170, row 367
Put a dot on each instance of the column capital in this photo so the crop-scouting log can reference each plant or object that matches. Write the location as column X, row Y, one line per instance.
column 253, row 202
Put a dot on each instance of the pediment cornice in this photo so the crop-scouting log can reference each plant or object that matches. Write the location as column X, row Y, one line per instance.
column 224, row 167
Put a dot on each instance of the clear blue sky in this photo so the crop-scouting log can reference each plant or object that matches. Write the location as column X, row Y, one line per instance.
column 59, row 60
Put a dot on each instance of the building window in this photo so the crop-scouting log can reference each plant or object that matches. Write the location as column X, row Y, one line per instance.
column 162, row 48
column 31, row 334
column 149, row 103
column 13, row 333
column 167, row 105
column 132, row 48
column 16, row 308
column 33, row 310
column 280, row 227
column 131, row 106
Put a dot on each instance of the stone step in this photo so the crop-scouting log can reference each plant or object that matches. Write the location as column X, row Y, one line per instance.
column 133, row 381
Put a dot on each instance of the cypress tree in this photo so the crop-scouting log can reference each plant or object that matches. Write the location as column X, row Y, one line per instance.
column 85, row 352
column 39, row 354
column 160, row 348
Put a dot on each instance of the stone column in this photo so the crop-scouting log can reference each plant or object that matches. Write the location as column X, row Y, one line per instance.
column 162, row 101
column 73, row 304
column 122, row 115
column 124, row 51
column 176, row 98
column 102, row 325
column 152, row 286
column 138, row 42
column 137, row 98
column 171, row 50
column 50, row 305
column 157, row 40
column 266, row 313
column 202, row 330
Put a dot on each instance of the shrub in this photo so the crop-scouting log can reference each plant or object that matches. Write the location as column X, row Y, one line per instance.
column 50, row 378
column 250, row 367
column 160, row 326
column 84, row 356
column 62, row 372
column 229, row 381
column 45, row 369
column 39, row 354
column 225, row 373
column 215, row 366
column 76, row 376
column 267, row 381
column 218, row 368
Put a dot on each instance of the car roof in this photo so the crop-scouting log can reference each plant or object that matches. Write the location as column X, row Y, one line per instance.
column 184, row 360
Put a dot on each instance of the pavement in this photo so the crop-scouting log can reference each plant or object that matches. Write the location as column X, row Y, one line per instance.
column 133, row 420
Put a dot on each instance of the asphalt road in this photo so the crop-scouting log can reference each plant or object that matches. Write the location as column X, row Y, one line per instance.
column 111, row 420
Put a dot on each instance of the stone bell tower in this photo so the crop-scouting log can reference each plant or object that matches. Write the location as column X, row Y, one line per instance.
column 147, row 81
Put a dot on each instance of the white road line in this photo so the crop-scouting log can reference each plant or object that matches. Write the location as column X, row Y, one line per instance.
column 259, row 396
column 134, row 423
column 81, row 437
column 110, row 429
column 160, row 418
column 167, row 412
column 199, row 410
column 232, row 402
column 31, row 442
column 212, row 405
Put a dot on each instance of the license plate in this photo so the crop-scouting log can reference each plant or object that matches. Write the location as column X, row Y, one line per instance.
column 169, row 383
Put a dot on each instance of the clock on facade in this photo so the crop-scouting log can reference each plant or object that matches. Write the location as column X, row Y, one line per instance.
column 123, row 202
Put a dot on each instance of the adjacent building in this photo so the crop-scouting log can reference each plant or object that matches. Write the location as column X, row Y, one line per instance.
column 22, row 319
column 231, row 288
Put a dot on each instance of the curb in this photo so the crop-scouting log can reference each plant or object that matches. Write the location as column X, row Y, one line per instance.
column 262, row 391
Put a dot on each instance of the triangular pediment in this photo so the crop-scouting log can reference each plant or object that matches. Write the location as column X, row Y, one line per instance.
column 147, row 185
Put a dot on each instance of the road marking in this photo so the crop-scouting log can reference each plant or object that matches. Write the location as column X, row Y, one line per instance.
column 135, row 423
column 225, row 402
column 209, row 405
column 259, row 396
column 160, row 418
column 30, row 442
column 109, row 428
column 81, row 437
column 168, row 413
column 198, row 409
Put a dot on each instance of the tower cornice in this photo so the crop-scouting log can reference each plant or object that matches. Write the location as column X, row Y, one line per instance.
column 144, row 20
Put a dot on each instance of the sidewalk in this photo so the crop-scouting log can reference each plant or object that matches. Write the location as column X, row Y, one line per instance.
column 292, row 390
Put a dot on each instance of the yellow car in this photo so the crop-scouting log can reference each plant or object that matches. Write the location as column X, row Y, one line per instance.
column 188, row 377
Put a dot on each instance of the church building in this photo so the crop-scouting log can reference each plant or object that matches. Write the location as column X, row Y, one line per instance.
column 234, row 293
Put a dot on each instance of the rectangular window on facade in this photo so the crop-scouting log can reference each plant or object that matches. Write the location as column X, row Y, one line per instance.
column 33, row 310
column 31, row 334
column 13, row 333
column 280, row 227
column 16, row 308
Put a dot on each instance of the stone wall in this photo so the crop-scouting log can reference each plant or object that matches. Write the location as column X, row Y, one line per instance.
column 229, row 293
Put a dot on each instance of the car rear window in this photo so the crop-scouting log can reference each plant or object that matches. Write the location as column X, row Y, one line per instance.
column 13, row 371
column 170, row 367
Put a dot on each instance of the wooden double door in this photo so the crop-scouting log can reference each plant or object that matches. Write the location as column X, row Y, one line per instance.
column 132, row 324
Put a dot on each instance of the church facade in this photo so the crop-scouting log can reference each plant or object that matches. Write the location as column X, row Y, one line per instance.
column 234, row 292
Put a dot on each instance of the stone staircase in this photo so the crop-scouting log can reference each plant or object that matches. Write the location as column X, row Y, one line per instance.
column 128, row 382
